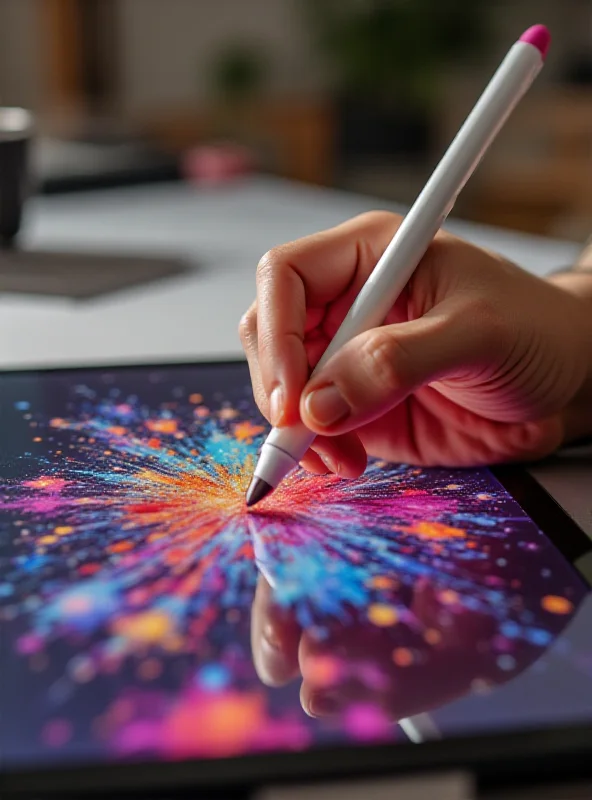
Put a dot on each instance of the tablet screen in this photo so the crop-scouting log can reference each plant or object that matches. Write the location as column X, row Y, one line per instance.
column 145, row 614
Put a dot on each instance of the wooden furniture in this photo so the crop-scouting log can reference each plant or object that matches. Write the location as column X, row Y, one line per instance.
column 79, row 43
column 297, row 135
column 541, row 180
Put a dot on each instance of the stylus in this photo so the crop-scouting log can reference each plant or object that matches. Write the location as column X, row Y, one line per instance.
column 285, row 447
column 420, row 728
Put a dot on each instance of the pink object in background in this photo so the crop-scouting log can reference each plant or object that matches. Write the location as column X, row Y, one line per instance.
column 538, row 36
column 214, row 164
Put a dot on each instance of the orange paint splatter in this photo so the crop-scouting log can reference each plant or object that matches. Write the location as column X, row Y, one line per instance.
column 246, row 431
column 402, row 657
column 176, row 555
column 382, row 582
column 48, row 540
column 150, row 627
column 436, row 530
column 321, row 671
column 226, row 725
column 47, row 484
column 382, row 615
column 246, row 552
column 63, row 530
column 556, row 605
column 121, row 547
column 449, row 597
column 432, row 636
column 195, row 398
column 162, row 426
column 117, row 430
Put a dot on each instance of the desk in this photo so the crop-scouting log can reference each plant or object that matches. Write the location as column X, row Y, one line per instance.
column 224, row 232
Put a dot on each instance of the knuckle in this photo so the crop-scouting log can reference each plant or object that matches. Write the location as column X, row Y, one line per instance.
column 269, row 263
column 378, row 218
column 247, row 326
column 266, row 342
column 384, row 361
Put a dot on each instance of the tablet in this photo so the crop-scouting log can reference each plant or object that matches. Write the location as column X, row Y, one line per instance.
column 149, row 623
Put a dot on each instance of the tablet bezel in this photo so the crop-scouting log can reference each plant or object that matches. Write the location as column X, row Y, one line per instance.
column 554, row 753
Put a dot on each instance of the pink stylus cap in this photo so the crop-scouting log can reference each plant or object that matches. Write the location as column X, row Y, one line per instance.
column 538, row 36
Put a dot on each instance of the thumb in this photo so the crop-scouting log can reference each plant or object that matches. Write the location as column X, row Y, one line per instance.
column 380, row 368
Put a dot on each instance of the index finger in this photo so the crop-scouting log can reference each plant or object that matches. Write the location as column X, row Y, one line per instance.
column 275, row 635
column 309, row 274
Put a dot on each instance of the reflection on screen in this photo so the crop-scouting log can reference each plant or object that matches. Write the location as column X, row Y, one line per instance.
column 144, row 612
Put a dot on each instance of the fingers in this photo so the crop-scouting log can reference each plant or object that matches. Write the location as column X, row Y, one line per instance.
column 306, row 275
column 275, row 637
column 248, row 335
column 312, row 463
column 380, row 368
column 343, row 455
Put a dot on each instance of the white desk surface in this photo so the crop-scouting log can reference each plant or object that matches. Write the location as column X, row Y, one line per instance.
column 224, row 232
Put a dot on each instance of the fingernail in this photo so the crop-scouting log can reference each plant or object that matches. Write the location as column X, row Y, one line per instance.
column 330, row 463
column 271, row 637
column 323, row 704
column 327, row 406
column 276, row 406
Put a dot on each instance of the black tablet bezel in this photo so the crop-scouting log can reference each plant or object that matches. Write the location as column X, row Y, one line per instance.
column 553, row 753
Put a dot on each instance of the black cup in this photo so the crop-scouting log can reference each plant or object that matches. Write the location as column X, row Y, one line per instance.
column 16, row 130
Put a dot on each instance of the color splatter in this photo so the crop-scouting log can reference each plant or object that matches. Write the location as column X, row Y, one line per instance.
column 129, row 564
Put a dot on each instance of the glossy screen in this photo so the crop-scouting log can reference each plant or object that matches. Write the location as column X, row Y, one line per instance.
column 145, row 614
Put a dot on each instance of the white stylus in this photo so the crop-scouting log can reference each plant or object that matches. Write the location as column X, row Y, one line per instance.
column 285, row 447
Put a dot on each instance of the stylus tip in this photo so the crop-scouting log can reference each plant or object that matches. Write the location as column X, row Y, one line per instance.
column 257, row 491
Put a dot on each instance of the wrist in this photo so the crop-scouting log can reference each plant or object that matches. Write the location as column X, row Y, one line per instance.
column 576, row 282
column 578, row 279
column 578, row 413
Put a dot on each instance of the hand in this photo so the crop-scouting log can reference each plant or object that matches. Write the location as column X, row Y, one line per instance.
column 401, row 671
column 478, row 362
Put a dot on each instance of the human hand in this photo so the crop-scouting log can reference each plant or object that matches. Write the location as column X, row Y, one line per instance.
column 478, row 362
column 402, row 670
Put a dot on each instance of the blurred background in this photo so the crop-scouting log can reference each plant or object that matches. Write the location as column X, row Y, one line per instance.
column 360, row 95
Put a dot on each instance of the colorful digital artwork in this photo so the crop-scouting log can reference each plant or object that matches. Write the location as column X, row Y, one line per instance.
column 129, row 566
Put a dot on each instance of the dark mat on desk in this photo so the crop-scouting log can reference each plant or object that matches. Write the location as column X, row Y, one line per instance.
column 81, row 275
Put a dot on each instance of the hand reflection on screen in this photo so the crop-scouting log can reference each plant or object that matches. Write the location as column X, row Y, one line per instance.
column 402, row 670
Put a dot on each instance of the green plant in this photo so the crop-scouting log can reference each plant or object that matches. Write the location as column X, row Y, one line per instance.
column 237, row 72
column 393, row 50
